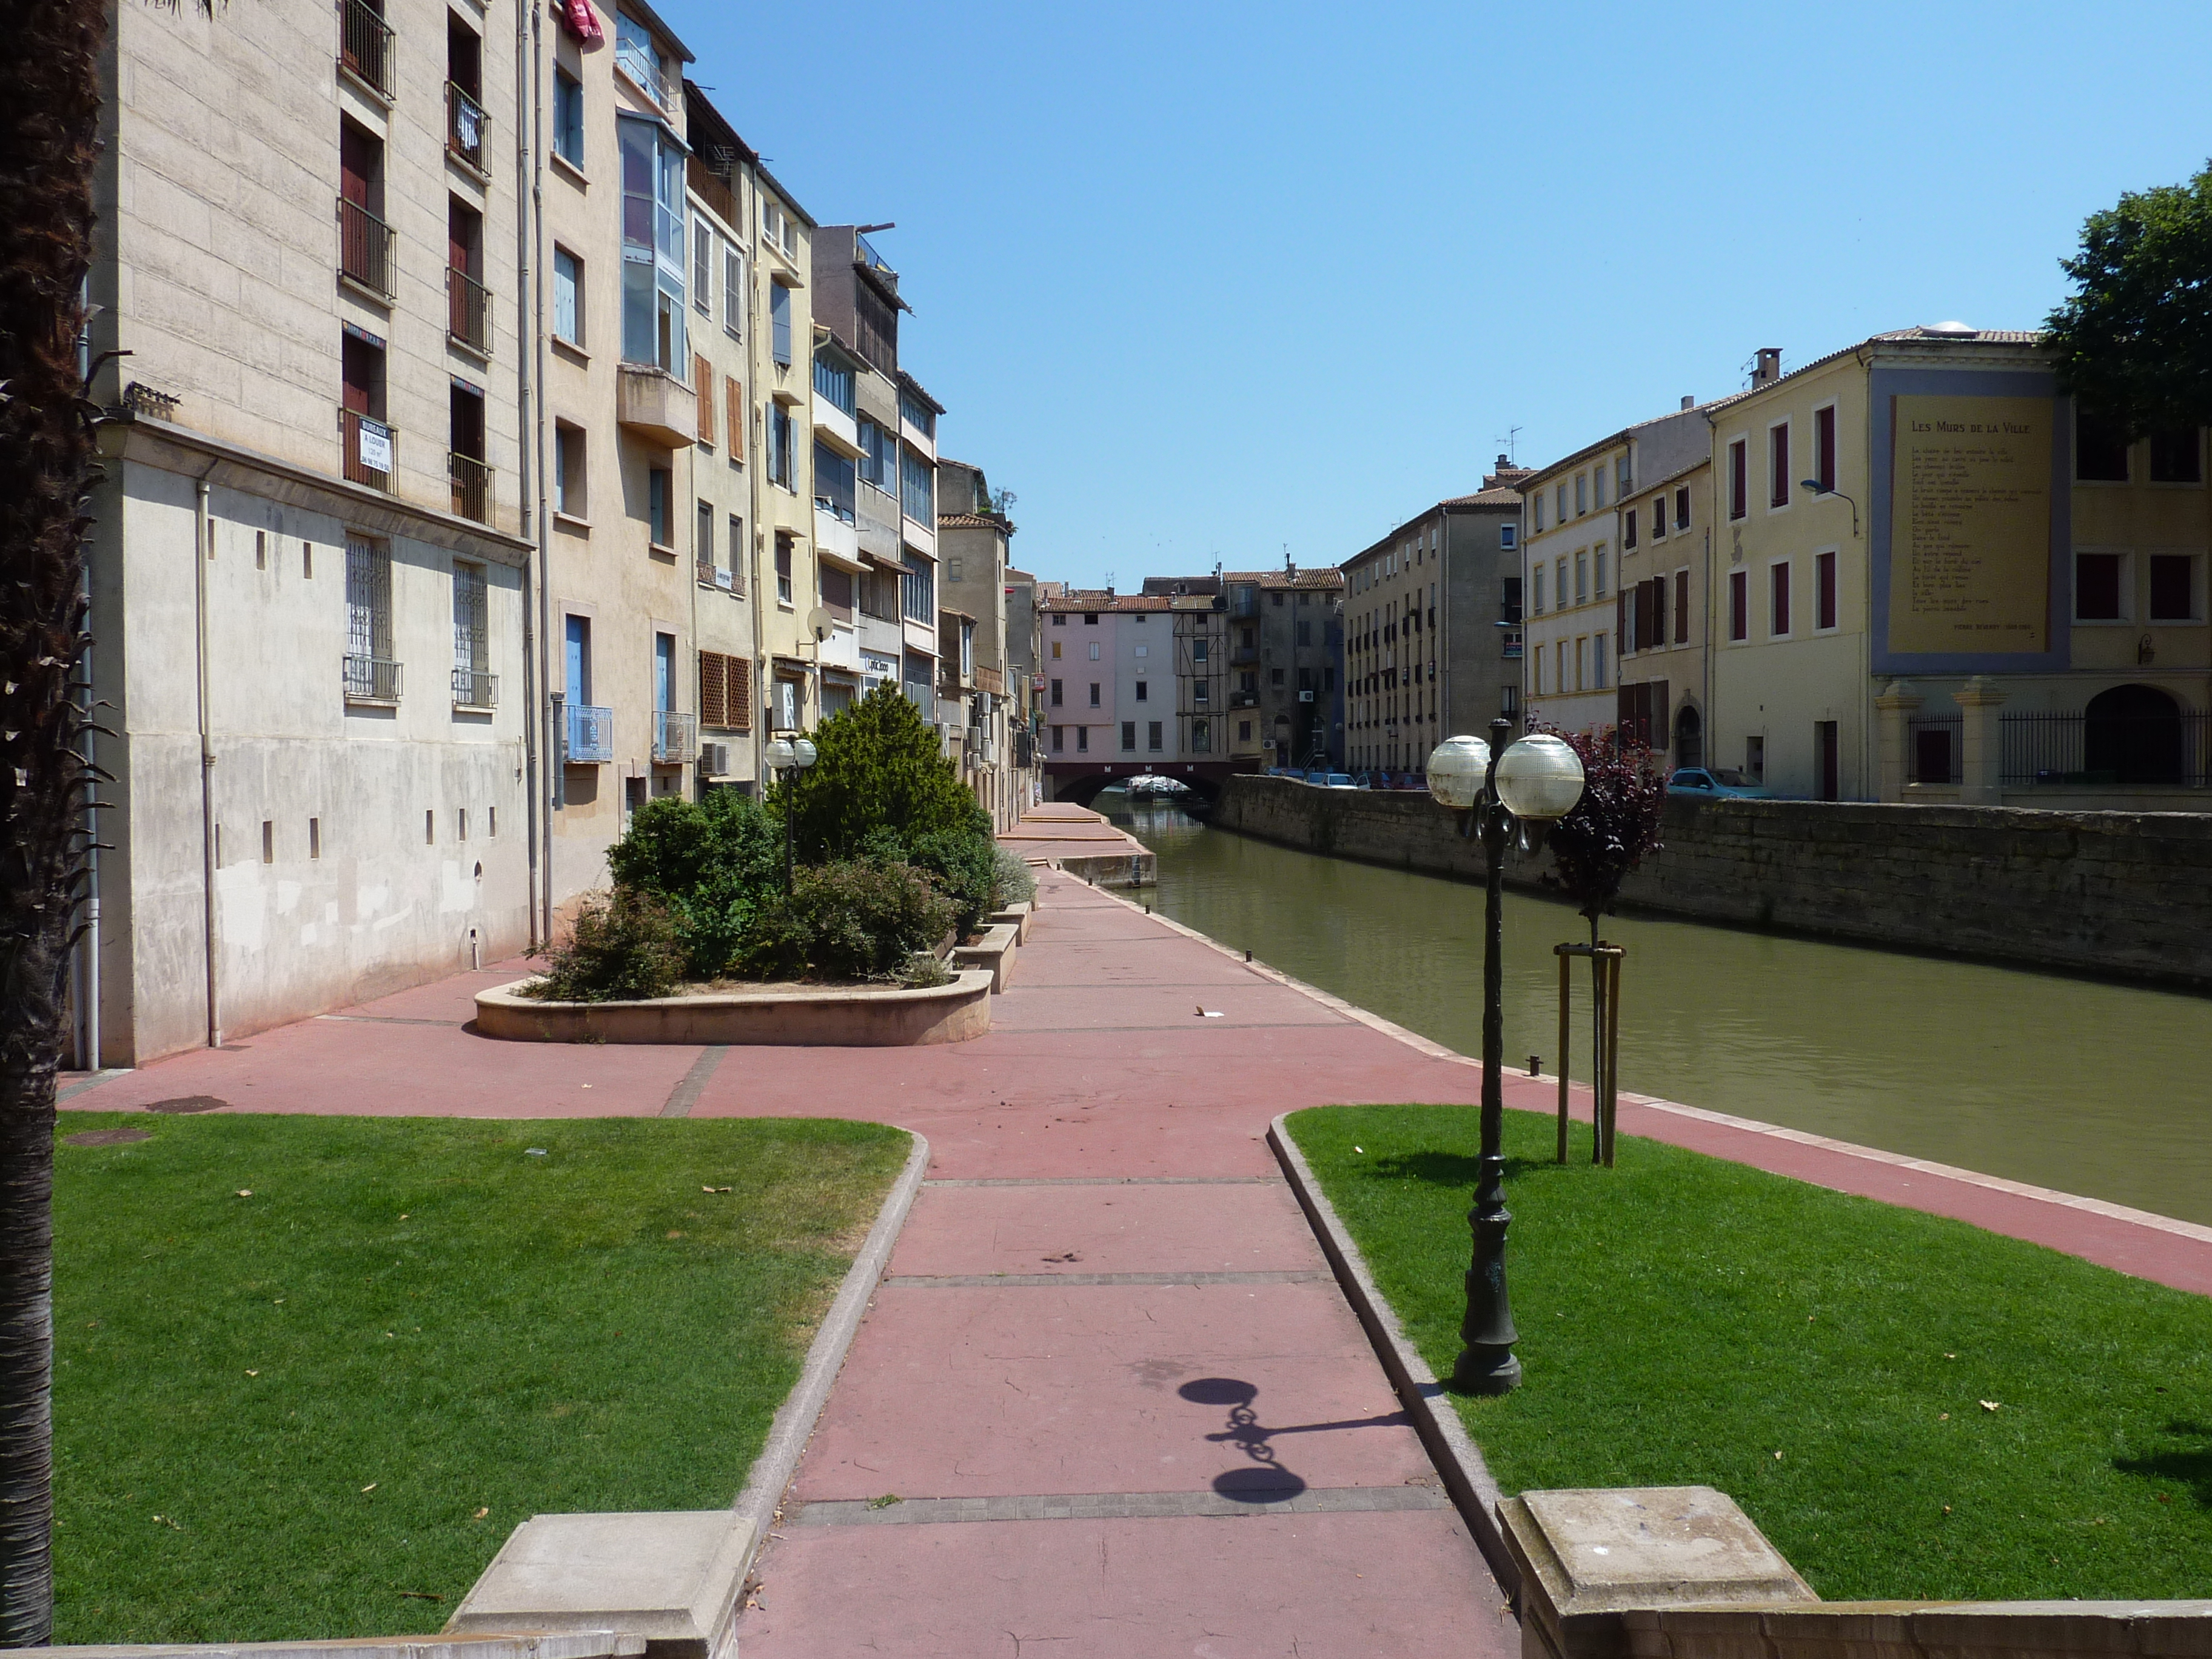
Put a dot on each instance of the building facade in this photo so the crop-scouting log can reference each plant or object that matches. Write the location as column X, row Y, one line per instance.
column 1286, row 644
column 972, row 564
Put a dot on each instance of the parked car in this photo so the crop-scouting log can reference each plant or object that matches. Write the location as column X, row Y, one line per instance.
column 1713, row 783
column 1340, row 780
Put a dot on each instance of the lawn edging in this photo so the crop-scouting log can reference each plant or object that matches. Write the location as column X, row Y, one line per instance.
column 1466, row 1477
column 762, row 1499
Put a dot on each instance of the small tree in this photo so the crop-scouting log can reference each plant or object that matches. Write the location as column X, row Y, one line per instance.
column 1615, row 825
column 878, row 766
column 2134, row 341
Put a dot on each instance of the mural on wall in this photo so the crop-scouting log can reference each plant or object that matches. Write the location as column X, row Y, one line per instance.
column 1970, row 525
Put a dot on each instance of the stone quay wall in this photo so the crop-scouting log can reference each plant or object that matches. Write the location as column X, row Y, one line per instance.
column 2127, row 895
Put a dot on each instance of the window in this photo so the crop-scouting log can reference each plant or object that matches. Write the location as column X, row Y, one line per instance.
column 2176, row 456
column 1658, row 518
column 1059, row 737
column 1201, row 690
column 660, row 508
column 2099, row 591
column 918, row 490
column 1755, row 759
column 1582, row 578
column 1536, row 593
column 702, row 546
column 1597, row 485
column 1778, row 593
column 739, row 551
column 1153, row 736
column 653, row 247
column 2100, row 449
column 1057, row 688
column 1094, row 694
column 1055, row 650
column 780, row 445
column 1197, row 650
column 1681, row 509
column 2172, row 587
column 917, row 414
column 1597, row 662
column 1274, row 676
column 1537, row 520
column 778, row 323
column 1739, row 478
column 1144, row 650
column 569, row 496
column 1509, row 535
column 1623, row 478
column 1582, row 494
column 1628, row 529
column 1824, row 591
column 783, row 585
column 1143, row 692
column 702, row 268
column 1129, row 737
column 733, row 294
column 1082, row 740
column 567, row 297
column 1559, row 502
column 1305, row 632
column 921, row 588
column 1599, row 558
column 638, row 58
column 1201, row 737
column 471, row 635
column 368, row 620
column 725, row 697
column 1739, row 604
column 568, row 117
column 1824, row 446
column 1681, row 607
column 1778, row 465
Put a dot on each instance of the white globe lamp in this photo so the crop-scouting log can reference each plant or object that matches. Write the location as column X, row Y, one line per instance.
column 1458, row 768
column 803, row 756
column 778, row 753
column 1539, row 779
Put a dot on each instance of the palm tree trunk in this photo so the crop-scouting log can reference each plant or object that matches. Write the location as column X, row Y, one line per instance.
column 49, row 137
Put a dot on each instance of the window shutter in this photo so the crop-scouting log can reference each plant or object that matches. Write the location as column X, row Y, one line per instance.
column 1681, row 607
column 703, row 378
column 740, row 692
column 713, row 690
column 734, row 394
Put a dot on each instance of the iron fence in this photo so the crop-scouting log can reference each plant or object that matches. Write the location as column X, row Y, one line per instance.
column 371, row 679
column 365, row 247
column 474, row 689
column 468, row 310
column 591, row 735
column 364, row 44
column 675, row 737
column 465, row 122
column 472, row 486
column 2109, row 750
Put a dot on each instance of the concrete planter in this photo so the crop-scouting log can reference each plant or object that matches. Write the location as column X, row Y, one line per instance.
column 993, row 953
column 791, row 1015
column 1019, row 915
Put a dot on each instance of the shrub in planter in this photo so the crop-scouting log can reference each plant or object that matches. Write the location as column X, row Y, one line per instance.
column 715, row 863
column 849, row 919
column 623, row 948
column 1016, row 882
column 965, row 866
column 878, row 765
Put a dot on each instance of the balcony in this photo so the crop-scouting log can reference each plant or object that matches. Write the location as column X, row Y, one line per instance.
column 472, row 487
column 465, row 122
column 656, row 405
column 675, row 737
column 372, row 680
column 367, row 449
column 365, row 45
column 1244, row 656
column 590, row 738
column 991, row 680
column 468, row 311
column 636, row 60
column 365, row 248
column 473, row 689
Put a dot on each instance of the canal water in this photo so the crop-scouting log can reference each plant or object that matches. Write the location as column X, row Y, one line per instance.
column 2102, row 1090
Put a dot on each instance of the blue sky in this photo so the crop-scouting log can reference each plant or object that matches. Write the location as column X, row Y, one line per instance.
column 1199, row 280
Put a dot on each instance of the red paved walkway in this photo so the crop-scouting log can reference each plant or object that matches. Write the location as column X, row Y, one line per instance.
column 1161, row 1431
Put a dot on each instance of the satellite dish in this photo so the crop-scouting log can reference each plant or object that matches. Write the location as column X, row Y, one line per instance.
column 817, row 623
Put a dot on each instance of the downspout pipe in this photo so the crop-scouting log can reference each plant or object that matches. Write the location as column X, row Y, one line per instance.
column 88, row 1055
column 546, row 797
column 527, row 395
column 203, row 550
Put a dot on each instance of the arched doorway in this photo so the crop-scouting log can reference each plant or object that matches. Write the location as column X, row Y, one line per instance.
column 2132, row 735
column 1689, row 738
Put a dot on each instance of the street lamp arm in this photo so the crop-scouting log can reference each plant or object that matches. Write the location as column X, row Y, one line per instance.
column 1819, row 488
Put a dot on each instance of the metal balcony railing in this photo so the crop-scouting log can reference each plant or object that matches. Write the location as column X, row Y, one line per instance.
column 367, row 449
column 468, row 310
column 474, row 689
column 590, row 738
column 371, row 679
column 465, row 122
column 365, row 248
column 472, row 487
column 636, row 62
column 364, row 44
column 675, row 737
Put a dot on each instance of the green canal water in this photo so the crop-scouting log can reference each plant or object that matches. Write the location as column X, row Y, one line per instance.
column 2102, row 1090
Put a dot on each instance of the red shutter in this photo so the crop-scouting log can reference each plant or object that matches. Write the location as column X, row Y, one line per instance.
column 713, row 690
column 740, row 693
column 736, row 390
column 702, row 379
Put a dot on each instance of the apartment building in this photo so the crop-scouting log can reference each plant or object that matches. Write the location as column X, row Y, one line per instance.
column 1663, row 626
column 1025, row 682
column 309, row 560
column 1286, row 644
column 1432, row 627
column 1199, row 623
column 1935, row 582
column 972, row 537
column 1083, row 656
column 1571, row 531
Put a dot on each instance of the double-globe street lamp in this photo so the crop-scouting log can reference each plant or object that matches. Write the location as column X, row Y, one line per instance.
column 1528, row 786
column 786, row 756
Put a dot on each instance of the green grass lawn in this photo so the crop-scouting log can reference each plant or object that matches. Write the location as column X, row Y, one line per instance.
column 318, row 1410
column 1821, row 1358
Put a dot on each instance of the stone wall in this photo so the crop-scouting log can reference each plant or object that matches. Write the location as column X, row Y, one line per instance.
column 2127, row 894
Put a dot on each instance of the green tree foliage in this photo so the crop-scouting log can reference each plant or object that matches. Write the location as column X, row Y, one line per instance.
column 715, row 863
column 850, row 919
column 623, row 948
column 1614, row 826
column 878, row 766
column 2134, row 341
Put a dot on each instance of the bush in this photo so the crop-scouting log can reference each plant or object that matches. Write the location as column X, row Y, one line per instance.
column 849, row 919
column 623, row 948
column 715, row 863
column 1017, row 882
column 965, row 867
column 878, row 766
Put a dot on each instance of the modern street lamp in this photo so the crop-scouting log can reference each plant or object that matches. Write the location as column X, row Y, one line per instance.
column 788, row 754
column 1815, row 487
column 1526, row 786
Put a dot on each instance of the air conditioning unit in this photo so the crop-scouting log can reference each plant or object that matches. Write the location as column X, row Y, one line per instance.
column 715, row 759
column 950, row 731
column 1306, row 697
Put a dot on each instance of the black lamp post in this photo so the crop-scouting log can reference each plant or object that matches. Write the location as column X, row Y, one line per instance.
column 1527, row 785
column 788, row 755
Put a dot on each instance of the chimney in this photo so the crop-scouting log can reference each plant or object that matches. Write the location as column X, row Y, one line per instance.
column 1770, row 366
column 1688, row 403
column 1504, row 461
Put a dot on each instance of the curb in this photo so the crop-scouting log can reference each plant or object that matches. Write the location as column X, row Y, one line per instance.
column 1466, row 1477
column 795, row 1421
